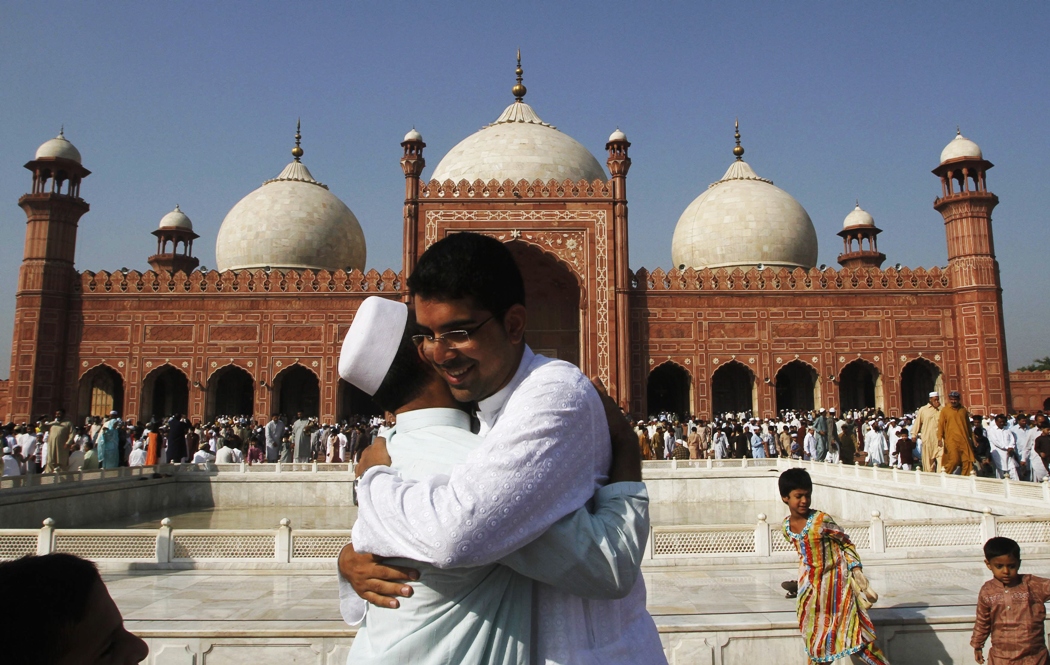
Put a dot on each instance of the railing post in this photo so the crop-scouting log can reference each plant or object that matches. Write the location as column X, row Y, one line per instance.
column 875, row 472
column 988, row 529
column 1006, row 486
column 710, row 463
column 918, row 476
column 877, row 533
column 894, row 474
column 164, row 541
column 856, row 470
column 743, row 462
column 1046, row 491
column 46, row 537
column 762, row 544
column 313, row 468
column 674, row 464
column 244, row 466
column 283, row 545
column 649, row 545
column 278, row 467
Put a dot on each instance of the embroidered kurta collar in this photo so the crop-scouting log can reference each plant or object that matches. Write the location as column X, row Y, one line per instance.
column 489, row 409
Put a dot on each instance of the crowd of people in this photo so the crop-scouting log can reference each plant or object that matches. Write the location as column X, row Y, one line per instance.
column 57, row 445
column 934, row 438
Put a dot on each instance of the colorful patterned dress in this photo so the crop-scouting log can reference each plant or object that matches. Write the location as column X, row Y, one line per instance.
column 832, row 624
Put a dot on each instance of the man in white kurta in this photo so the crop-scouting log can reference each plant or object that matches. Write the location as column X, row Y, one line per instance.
column 1003, row 444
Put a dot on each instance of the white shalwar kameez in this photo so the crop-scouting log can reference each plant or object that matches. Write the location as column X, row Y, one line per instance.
column 1002, row 440
column 875, row 447
column 545, row 454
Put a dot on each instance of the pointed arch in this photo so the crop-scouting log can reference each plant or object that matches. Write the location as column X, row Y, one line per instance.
column 101, row 390
column 165, row 392
column 669, row 389
column 798, row 387
column 555, row 299
column 231, row 392
column 733, row 389
column 919, row 378
column 297, row 388
column 860, row 386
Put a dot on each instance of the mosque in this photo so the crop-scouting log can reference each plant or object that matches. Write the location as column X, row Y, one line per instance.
column 743, row 321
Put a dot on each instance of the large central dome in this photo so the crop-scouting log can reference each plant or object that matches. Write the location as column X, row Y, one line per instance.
column 292, row 221
column 743, row 220
column 519, row 146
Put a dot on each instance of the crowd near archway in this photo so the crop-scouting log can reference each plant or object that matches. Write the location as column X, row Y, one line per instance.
column 797, row 387
column 732, row 389
column 101, row 391
column 860, row 386
column 919, row 378
column 552, row 296
column 231, row 392
column 297, row 389
column 668, row 391
column 165, row 391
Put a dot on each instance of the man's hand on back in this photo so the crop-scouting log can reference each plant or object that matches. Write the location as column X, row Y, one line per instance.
column 374, row 581
column 374, row 455
column 626, row 455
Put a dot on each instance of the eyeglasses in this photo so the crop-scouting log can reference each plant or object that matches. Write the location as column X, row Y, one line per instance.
column 453, row 339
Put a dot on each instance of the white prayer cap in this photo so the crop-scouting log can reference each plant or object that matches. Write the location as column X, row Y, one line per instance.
column 822, row 409
column 935, row 394
column 372, row 342
column 7, row 451
column 832, row 409
column 113, row 413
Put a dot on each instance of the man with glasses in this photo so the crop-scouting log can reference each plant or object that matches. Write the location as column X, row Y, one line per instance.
column 546, row 451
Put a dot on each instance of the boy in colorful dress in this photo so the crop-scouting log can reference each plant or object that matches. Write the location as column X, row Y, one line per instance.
column 833, row 624
column 1010, row 609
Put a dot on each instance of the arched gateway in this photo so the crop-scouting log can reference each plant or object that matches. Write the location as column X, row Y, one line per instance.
column 552, row 296
column 668, row 391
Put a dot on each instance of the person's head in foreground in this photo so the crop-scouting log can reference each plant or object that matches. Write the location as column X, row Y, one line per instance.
column 1003, row 558
column 470, row 303
column 75, row 619
column 796, row 490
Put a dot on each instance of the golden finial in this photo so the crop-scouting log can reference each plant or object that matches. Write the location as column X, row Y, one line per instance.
column 958, row 131
column 738, row 151
column 297, row 152
column 519, row 90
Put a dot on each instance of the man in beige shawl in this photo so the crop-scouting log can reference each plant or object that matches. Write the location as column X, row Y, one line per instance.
column 57, row 438
column 926, row 427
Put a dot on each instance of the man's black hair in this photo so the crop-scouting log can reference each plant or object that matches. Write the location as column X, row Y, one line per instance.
column 54, row 588
column 469, row 265
column 1000, row 546
column 408, row 374
column 794, row 479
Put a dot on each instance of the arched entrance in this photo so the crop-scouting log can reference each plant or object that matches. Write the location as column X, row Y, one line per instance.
column 798, row 387
column 355, row 404
column 297, row 389
column 1046, row 404
column 101, row 391
column 860, row 386
column 919, row 378
column 668, row 391
column 732, row 389
column 165, row 391
column 552, row 296
column 231, row 392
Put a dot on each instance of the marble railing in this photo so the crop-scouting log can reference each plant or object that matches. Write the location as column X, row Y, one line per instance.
column 45, row 479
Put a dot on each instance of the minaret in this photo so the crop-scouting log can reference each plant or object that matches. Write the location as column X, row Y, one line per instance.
column 46, row 280
column 177, row 229
column 973, row 274
column 412, row 163
column 859, row 227
column 619, row 164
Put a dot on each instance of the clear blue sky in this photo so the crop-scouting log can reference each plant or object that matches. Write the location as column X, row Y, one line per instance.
column 195, row 104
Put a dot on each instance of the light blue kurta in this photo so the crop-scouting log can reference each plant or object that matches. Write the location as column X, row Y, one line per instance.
column 108, row 444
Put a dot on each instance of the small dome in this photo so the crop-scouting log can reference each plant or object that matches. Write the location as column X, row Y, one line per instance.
column 292, row 221
column 743, row 220
column 858, row 217
column 176, row 219
column 59, row 147
column 413, row 135
column 960, row 147
column 519, row 146
column 617, row 136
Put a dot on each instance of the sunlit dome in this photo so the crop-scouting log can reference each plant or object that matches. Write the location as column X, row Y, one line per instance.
column 292, row 221
column 960, row 147
column 176, row 219
column 413, row 135
column 59, row 147
column 519, row 146
column 858, row 217
column 744, row 220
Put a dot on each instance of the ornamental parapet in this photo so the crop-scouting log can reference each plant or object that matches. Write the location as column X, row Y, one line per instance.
column 240, row 281
column 522, row 189
column 797, row 279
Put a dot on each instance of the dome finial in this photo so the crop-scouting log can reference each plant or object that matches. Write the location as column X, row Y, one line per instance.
column 958, row 131
column 738, row 151
column 62, row 130
column 297, row 152
column 518, row 90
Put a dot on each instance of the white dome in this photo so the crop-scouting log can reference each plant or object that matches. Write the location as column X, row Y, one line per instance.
column 413, row 135
column 617, row 136
column 176, row 219
column 959, row 147
column 59, row 147
column 858, row 217
column 743, row 220
column 292, row 221
column 519, row 146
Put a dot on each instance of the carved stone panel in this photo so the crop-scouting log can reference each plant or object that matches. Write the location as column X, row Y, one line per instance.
column 106, row 334
column 233, row 334
column 795, row 329
column 857, row 329
column 732, row 330
column 169, row 333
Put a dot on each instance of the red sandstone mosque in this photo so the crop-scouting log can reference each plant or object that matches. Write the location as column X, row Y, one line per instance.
column 743, row 320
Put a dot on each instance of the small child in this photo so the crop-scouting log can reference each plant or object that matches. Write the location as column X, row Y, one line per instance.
column 833, row 624
column 1010, row 608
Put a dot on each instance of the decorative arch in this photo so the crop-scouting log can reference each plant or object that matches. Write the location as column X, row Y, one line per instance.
column 101, row 390
column 733, row 389
column 231, row 392
column 165, row 392
column 860, row 386
column 919, row 378
column 297, row 388
column 1046, row 404
column 555, row 298
column 669, row 389
column 798, row 387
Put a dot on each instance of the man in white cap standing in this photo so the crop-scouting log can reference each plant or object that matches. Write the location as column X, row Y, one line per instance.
column 546, row 451
column 926, row 429
column 821, row 426
column 477, row 614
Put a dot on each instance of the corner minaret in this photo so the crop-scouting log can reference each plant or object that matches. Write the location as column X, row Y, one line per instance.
column 45, row 280
column 859, row 229
column 973, row 273
column 175, row 229
column 412, row 163
column 619, row 164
